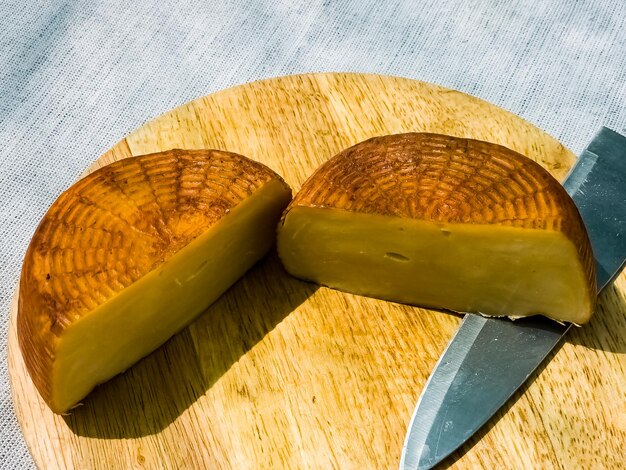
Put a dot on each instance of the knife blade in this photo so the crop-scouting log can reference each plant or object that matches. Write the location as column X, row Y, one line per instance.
column 465, row 390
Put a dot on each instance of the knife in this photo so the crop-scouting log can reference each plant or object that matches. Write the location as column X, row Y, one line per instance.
column 464, row 390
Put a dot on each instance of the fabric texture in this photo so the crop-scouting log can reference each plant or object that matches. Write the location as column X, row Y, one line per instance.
column 76, row 76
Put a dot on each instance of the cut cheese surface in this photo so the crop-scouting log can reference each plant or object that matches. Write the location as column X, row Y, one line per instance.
column 438, row 265
column 442, row 222
column 133, row 253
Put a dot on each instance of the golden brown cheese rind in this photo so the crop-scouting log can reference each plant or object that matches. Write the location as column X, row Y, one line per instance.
column 447, row 179
column 113, row 227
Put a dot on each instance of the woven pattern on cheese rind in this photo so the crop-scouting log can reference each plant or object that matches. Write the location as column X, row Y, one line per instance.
column 446, row 179
column 113, row 227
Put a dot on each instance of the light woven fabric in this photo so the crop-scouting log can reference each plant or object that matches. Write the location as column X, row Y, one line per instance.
column 76, row 76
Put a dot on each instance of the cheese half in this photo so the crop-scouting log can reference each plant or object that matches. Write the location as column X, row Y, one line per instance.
column 131, row 254
column 442, row 222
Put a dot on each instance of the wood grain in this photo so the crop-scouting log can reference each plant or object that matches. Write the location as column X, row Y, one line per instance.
column 281, row 374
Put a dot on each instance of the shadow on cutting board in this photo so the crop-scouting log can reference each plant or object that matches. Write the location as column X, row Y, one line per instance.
column 159, row 388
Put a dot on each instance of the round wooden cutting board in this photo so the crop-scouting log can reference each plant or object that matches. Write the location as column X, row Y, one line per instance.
column 279, row 373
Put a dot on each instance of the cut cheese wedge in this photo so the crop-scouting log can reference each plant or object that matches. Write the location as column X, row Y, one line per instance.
column 442, row 222
column 131, row 254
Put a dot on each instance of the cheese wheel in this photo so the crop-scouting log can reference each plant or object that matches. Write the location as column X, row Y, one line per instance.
column 131, row 254
column 442, row 222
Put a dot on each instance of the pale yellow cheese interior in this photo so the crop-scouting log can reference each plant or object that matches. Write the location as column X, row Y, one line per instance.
column 143, row 316
column 488, row 269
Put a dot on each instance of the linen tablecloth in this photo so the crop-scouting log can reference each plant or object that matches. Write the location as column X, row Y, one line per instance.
column 76, row 76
